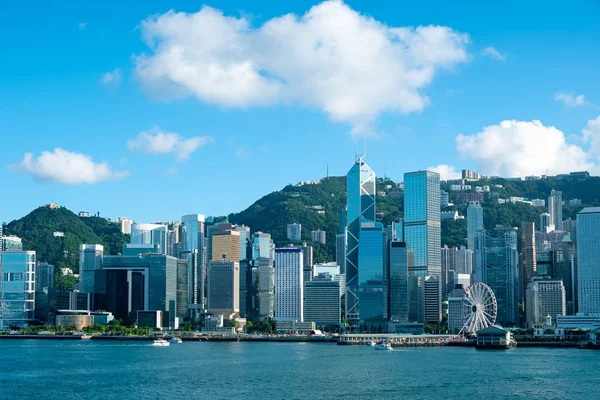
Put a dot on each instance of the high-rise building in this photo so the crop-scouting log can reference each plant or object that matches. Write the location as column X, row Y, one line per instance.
column 360, row 186
column 398, row 281
column 422, row 229
column 416, row 298
column 140, row 283
column 182, row 295
column 322, row 302
column 340, row 251
column 289, row 284
column 422, row 233
column 588, row 260
column 528, row 257
column 546, row 223
column 17, row 290
column 223, row 287
column 265, row 288
column 455, row 306
column 226, row 245
column 10, row 243
column 126, row 226
column 564, row 267
column 318, row 236
column 90, row 263
column 463, row 263
column 192, row 244
column 294, row 232
column 448, row 267
column 150, row 234
column 44, row 277
column 555, row 209
column 371, row 271
column 432, row 299
column 570, row 226
column 308, row 255
column 497, row 261
column 245, row 261
column 474, row 222
column 544, row 297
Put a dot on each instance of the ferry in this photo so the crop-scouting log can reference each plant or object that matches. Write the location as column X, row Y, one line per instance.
column 384, row 346
column 160, row 343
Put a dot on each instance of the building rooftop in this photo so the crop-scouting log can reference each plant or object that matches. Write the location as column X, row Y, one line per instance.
column 590, row 210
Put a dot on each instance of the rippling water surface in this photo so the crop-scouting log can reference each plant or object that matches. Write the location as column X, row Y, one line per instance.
column 33, row 369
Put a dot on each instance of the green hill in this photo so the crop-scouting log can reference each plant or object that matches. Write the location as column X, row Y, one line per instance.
column 315, row 206
column 37, row 232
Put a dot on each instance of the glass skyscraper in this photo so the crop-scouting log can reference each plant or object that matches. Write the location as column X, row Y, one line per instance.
column 588, row 260
column 150, row 234
column 17, row 288
column 370, row 271
column 398, row 281
column 474, row 223
column 360, row 186
column 193, row 250
column 497, row 263
column 422, row 229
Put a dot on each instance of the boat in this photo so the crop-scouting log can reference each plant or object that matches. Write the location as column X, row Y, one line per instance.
column 372, row 343
column 160, row 343
column 384, row 346
column 176, row 340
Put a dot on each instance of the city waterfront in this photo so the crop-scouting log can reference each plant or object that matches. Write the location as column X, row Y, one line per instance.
column 116, row 370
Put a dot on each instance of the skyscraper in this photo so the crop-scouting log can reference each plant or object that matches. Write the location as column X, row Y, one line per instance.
column 318, row 236
column 261, row 278
column 422, row 233
column 370, row 271
column 555, row 209
column 44, row 277
column 544, row 297
column 193, row 250
column 422, row 229
column 223, row 288
column 17, row 288
column 90, row 262
column 322, row 301
column 245, row 260
column 150, row 234
column 564, row 267
column 340, row 251
column 474, row 223
column 360, row 186
column 546, row 223
column 226, row 244
column 294, row 232
column 398, row 281
column 497, row 263
column 289, row 284
column 528, row 257
column 588, row 260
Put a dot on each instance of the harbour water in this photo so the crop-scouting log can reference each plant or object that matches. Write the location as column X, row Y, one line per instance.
column 36, row 369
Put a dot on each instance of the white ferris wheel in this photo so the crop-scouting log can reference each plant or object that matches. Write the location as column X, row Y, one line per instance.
column 479, row 308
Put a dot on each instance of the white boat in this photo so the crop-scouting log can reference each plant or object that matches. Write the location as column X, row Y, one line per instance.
column 176, row 340
column 160, row 343
column 372, row 343
column 384, row 346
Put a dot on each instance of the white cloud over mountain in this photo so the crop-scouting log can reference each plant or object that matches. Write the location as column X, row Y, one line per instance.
column 520, row 148
column 159, row 142
column 65, row 167
column 446, row 171
column 332, row 58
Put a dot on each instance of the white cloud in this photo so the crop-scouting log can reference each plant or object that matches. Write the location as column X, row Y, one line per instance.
column 520, row 148
column 158, row 142
column 591, row 135
column 493, row 53
column 112, row 79
column 570, row 100
column 446, row 171
column 332, row 58
column 62, row 166
column 82, row 26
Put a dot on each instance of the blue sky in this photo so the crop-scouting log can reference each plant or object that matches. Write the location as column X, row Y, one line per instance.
column 207, row 110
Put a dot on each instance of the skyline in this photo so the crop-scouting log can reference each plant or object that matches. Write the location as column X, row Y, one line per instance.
column 93, row 87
